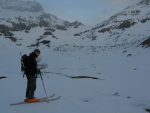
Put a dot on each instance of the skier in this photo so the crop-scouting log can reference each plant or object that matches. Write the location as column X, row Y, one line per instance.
column 31, row 74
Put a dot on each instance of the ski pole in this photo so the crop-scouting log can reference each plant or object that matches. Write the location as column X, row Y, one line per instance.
column 42, row 82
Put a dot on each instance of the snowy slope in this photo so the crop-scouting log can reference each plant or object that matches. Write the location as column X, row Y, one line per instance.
column 122, row 85
column 27, row 10
column 18, row 16
column 11, row 10
column 128, row 26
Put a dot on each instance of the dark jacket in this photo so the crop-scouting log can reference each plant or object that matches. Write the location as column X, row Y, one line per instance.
column 32, row 67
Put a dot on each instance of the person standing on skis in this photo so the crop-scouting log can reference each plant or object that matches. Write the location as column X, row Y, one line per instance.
column 31, row 71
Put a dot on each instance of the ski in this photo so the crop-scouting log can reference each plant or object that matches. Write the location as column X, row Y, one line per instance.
column 49, row 99
column 43, row 99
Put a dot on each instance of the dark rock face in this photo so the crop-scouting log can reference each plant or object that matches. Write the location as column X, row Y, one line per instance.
column 146, row 43
column 126, row 24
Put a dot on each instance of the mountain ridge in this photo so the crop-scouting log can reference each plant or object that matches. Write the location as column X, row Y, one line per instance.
column 22, row 16
column 127, row 26
column 130, row 26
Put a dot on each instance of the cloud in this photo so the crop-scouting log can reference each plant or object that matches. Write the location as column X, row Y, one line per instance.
column 84, row 10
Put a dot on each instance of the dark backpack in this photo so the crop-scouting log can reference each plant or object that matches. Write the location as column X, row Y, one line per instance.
column 29, row 65
column 25, row 63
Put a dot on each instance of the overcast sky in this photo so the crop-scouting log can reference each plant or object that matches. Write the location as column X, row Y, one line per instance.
column 86, row 11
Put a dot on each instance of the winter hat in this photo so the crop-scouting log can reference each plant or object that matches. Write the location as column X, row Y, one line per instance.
column 37, row 50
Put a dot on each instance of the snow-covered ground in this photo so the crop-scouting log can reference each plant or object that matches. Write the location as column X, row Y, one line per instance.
column 123, row 85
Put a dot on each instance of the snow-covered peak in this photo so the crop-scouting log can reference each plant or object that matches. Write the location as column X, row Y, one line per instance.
column 134, row 12
column 27, row 12
column 128, row 26
column 21, row 15
column 18, row 5
column 12, row 9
